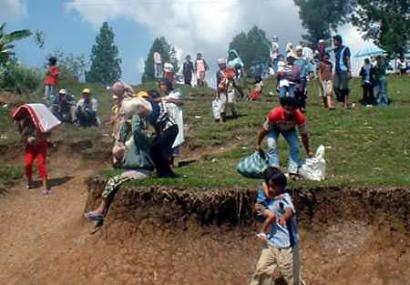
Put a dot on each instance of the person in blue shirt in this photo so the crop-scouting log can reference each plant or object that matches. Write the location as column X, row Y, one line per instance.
column 343, row 71
column 281, row 250
column 306, row 72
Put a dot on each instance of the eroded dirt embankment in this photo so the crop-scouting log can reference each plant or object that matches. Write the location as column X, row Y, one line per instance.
column 177, row 236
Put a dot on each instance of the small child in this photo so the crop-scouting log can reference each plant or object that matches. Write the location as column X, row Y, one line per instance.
column 51, row 79
column 256, row 93
column 281, row 250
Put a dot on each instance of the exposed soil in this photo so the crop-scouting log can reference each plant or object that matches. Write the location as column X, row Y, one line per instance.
column 174, row 236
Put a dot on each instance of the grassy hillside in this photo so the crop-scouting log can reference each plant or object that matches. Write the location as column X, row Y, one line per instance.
column 364, row 146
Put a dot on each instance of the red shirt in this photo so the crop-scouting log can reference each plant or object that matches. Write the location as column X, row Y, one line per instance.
column 276, row 119
column 52, row 75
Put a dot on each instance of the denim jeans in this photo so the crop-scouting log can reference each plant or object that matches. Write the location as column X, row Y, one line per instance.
column 382, row 98
column 287, row 89
column 273, row 154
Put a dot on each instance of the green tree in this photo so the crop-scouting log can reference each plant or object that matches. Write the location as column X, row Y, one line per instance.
column 161, row 46
column 321, row 17
column 252, row 47
column 386, row 22
column 6, row 43
column 105, row 63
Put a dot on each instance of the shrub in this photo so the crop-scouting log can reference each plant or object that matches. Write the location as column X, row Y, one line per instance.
column 20, row 79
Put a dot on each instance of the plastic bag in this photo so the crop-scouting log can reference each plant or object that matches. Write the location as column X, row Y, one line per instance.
column 314, row 168
column 253, row 166
column 216, row 108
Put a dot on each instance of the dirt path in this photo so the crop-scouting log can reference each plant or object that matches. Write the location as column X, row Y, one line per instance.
column 35, row 230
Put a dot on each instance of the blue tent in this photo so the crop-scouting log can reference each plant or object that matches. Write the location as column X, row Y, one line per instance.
column 370, row 51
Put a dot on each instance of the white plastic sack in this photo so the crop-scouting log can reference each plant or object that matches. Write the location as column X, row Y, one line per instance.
column 216, row 108
column 41, row 116
column 314, row 168
column 132, row 106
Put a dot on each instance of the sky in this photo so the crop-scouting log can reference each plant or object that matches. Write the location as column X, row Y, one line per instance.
column 191, row 26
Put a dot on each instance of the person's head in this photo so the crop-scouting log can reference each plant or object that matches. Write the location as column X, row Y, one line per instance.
column 118, row 89
column 290, row 59
column 154, row 95
column 221, row 63
column 379, row 59
column 326, row 57
column 198, row 55
column 366, row 61
column 281, row 57
column 165, row 85
column 86, row 93
column 322, row 43
column 258, row 79
column 62, row 92
column 337, row 40
column 290, row 104
column 275, row 181
column 188, row 58
column 299, row 51
column 275, row 38
column 232, row 55
column 52, row 61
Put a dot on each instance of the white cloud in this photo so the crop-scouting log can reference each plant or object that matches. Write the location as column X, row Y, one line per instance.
column 192, row 26
column 12, row 9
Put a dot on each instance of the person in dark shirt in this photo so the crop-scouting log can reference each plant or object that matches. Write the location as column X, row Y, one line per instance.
column 343, row 71
column 187, row 70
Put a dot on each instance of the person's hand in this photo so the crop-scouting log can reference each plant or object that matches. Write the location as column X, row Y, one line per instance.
column 311, row 154
column 282, row 221
column 258, row 147
column 31, row 140
column 349, row 75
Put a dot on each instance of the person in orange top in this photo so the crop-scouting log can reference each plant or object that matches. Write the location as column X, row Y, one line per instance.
column 283, row 120
column 51, row 79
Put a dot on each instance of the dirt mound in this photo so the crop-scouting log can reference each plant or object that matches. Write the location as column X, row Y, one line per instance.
column 174, row 236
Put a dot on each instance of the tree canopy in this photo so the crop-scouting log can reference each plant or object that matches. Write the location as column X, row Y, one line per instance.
column 252, row 47
column 167, row 53
column 320, row 17
column 6, row 42
column 386, row 22
column 105, row 63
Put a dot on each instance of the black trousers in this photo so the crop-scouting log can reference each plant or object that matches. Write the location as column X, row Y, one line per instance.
column 161, row 150
column 368, row 94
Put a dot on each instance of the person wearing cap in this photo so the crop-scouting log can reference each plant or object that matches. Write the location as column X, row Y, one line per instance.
column 63, row 106
column 305, row 70
column 288, row 76
column 86, row 110
column 343, row 71
column 188, row 70
column 225, row 80
column 284, row 120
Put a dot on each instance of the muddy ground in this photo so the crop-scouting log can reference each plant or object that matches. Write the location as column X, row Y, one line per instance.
column 174, row 236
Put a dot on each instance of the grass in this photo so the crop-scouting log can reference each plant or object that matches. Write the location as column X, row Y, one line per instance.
column 364, row 146
column 9, row 174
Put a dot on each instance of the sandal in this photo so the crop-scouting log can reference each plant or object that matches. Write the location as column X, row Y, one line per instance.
column 94, row 216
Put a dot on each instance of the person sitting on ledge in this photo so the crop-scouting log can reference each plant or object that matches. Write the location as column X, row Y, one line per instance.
column 134, row 154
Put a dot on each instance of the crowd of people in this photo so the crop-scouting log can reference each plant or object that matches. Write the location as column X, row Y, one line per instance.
column 63, row 105
column 148, row 129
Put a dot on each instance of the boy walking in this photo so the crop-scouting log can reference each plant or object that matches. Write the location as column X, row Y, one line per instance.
column 281, row 251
